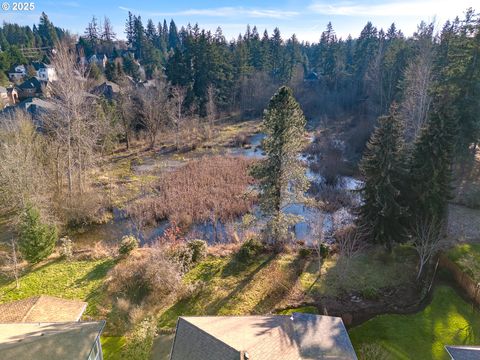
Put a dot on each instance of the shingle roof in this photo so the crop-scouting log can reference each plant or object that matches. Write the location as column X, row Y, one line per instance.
column 41, row 309
column 48, row 341
column 464, row 352
column 299, row 336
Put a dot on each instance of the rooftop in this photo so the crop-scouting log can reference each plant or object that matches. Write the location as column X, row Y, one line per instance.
column 464, row 352
column 41, row 309
column 297, row 336
column 48, row 341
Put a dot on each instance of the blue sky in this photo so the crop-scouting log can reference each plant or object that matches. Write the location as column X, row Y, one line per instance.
column 306, row 18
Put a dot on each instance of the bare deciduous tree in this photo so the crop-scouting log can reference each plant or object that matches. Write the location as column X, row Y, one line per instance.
column 350, row 242
column 71, row 119
column 416, row 83
column 13, row 260
column 211, row 109
column 153, row 109
column 23, row 176
column 427, row 240
column 177, row 97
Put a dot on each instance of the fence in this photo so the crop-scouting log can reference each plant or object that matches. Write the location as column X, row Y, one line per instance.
column 470, row 286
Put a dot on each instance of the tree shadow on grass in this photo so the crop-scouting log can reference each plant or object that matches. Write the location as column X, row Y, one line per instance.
column 282, row 286
column 190, row 306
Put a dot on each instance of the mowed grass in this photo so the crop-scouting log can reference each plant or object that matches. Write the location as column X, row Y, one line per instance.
column 448, row 320
column 225, row 286
column 80, row 280
column 467, row 257
column 368, row 272
column 112, row 347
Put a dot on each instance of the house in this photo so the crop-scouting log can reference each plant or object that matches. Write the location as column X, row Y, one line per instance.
column 17, row 73
column 48, row 328
column 99, row 59
column 12, row 95
column 44, row 72
column 31, row 87
column 41, row 309
column 8, row 96
column 51, row 341
column 107, row 89
column 463, row 352
column 286, row 337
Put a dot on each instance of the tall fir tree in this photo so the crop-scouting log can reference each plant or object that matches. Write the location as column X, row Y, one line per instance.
column 281, row 175
column 383, row 167
column 430, row 169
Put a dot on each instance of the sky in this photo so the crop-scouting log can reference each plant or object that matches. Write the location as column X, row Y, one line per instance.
column 305, row 18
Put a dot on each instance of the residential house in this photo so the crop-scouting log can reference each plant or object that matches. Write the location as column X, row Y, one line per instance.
column 8, row 96
column 463, row 352
column 30, row 88
column 99, row 59
column 17, row 73
column 12, row 95
column 107, row 89
column 44, row 72
column 48, row 328
column 286, row 337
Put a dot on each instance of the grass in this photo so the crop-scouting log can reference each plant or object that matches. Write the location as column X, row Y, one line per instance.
column 81, row 280
column 371, row 270
column 448, row 320
column 467, row 257
column 302, row 309
column 112, row 347
column 226, row 287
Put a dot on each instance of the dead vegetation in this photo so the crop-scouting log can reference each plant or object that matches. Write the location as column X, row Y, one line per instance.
column 206, row 190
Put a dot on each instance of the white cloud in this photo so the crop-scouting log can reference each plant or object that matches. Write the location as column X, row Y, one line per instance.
column 223, row 12
column 440, row 8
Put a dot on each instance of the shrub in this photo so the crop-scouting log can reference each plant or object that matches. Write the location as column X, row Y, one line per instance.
column 37, row 239
column 305, row 252
column 199, row 250
column 324, row 251
column 250, row 249
column 180, row 254
column 150, row 279
column 370, row 293
column 373, row 352
column 66, row 249
column 128, row 244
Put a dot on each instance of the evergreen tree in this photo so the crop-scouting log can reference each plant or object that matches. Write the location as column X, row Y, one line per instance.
column 92, row 32
column 47, row 31
column 430, row 169
column 281, row 174
column 384, row 171
column 173, row 40
column 37, row 239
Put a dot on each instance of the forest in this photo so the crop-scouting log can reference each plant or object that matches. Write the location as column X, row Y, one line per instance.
column 168, row 171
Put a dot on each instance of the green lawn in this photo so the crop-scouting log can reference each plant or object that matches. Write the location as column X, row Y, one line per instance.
column 80, row 280
column 366, row 273
column 447, row 320
column 467, row 257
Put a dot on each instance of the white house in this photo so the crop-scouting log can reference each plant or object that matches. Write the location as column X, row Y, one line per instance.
column 17, row 73
column 45, row 72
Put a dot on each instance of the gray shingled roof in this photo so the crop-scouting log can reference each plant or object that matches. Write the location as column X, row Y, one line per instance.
column 48, row 341
column 299, row 336
column 463, row 352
